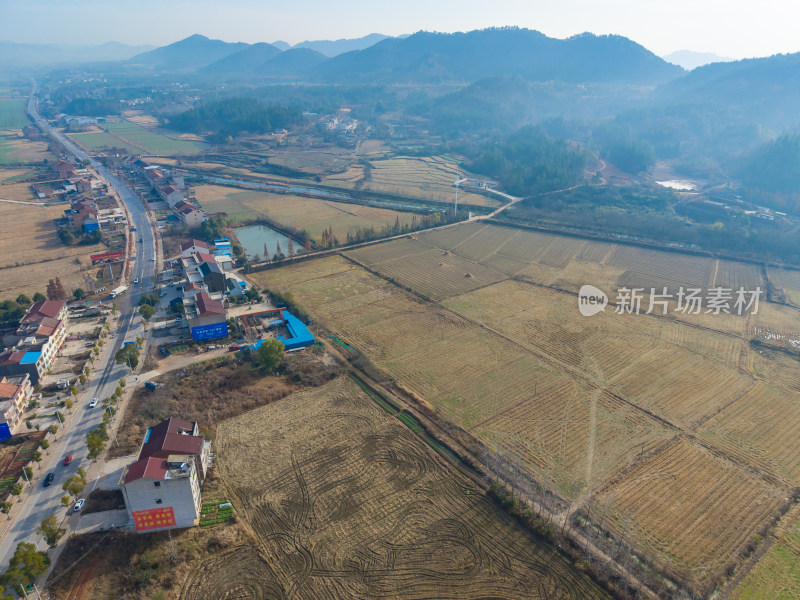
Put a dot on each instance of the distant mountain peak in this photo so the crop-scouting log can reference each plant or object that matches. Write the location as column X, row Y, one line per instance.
column 689, row 60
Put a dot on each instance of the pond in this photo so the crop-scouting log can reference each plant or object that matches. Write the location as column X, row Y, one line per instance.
column 254, row 237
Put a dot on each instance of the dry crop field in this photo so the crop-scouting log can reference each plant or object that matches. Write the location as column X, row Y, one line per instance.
column 593, row 408
column 31, row 252
column 349, row 503
column 425, row 178
column 309, row 214
column 787, row 280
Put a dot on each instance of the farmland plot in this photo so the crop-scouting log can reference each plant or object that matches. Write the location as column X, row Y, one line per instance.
column 777, row 573
column 761, row 428
column 31, row 252
column 426, row 178
column 789, row 281
column 436, row 273
column 309, row 214
column 675, row 423
column 351, row 504
column 693, row 509
column 152, row 142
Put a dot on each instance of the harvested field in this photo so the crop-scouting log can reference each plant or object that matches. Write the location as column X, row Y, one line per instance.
column 317, row 161
column 31, row 252
column 598, row 409
column 425, row 178
column 789, row 281
column 309, row 214
column 692, row 508
column 433, row 273
column 15, row 149
column 101, row 141
column 762, row 428
column 390, row 520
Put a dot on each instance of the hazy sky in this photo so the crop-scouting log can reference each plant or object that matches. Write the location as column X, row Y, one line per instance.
column 735, row 28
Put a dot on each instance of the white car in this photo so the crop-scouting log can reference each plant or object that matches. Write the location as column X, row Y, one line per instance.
column 136, row 280
column 79, row 505
column 153, row 259
column 93, row 403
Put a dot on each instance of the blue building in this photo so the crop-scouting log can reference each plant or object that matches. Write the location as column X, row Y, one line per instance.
column 299, row 335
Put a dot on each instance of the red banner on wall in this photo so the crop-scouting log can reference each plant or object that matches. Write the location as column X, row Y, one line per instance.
column 154, row 518
column 106, row 257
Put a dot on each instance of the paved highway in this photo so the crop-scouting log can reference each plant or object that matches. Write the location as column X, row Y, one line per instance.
column 38, row 501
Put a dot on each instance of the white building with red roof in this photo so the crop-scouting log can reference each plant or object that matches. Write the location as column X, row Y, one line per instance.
column 162, row 488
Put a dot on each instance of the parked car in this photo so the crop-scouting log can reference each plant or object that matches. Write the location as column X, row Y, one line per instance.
column 153, row 259
column 171, row 284
column 162, row 294
column 79, row 504
column 136, row 280
column 178, row 319
column 67, row 460
column 93, row 403
column 49, row 479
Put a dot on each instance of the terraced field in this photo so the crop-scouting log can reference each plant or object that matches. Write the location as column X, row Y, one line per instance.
column 351, row 504
column 425, row 178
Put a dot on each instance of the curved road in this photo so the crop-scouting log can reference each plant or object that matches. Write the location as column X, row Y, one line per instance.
column 39, row 502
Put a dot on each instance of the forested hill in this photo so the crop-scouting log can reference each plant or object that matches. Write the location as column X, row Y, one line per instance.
column 765, row 91
column 465, row 57
column 228, row 118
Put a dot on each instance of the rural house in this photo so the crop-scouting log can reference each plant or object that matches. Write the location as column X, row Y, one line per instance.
column 15, row 392
column 162, row 487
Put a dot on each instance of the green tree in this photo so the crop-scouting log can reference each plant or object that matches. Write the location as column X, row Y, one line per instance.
column 82, row 378
column 5, row 507
column 68, row 403
column 270, row 355
column 51, row 531
column 16, row 489
column 128, row 354
column 87, row 369
column 65, row 500
column 114, row 308
column 28, row 473
column 36, row 456
column 73, row 390
column 74, row 485
column 122, row 382
column 147, row 311
column 23, row 299
column 44, row 445
column 39, row 297
column 79, row 293
column 25, row 566
column 150, row 299
column 95, row 443
column 53, row 429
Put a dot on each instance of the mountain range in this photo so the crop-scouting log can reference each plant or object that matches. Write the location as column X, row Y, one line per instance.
column 423, row 58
